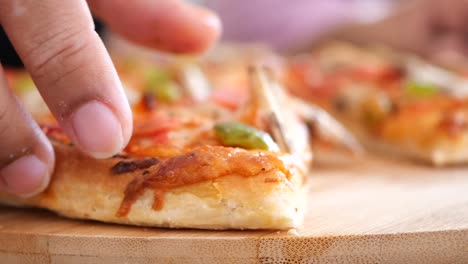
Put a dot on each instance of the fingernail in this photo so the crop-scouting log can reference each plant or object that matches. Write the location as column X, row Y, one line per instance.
column 25, row 176
column 97, row 130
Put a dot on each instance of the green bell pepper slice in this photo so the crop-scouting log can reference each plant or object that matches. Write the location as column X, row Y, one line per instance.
column 418, row 89
column 235, row 134
column 159, row 83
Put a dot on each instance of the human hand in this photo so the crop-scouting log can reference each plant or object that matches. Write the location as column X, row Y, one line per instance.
column 74, row 74
column 437, row 30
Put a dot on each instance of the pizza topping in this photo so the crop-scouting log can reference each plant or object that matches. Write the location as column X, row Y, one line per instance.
column 202, row 164
column 454, row 124
column 418, row 89
column 340, row 104
column 231, row 98
column 121, row 156
column 325, row 127
column 159, row 83
column 376, row 108
column 234, row 134
column 149, row 102
column 149, row 124
column 377, row 73
column 194, row 81
column 125, row 166
column 268, row 96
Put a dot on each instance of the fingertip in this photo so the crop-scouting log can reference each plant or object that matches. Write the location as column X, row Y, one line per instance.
column 97, row 130
column 179, row 27
column 25, row 177
column 168, row 25
column 210, row 27
column 213, row 23
column 28, row 158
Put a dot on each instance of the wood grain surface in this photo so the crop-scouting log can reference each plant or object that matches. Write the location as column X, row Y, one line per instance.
column 365, row 211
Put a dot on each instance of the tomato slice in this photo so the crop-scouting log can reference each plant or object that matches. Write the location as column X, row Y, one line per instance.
column 381, row 74
column 230, row 98
column 150, row 124
column 161, row 138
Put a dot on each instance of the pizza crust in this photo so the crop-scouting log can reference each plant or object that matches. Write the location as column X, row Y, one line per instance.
column 85, row 188
column 441, row 153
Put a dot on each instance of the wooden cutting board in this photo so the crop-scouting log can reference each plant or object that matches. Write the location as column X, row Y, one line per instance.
column 368, row 211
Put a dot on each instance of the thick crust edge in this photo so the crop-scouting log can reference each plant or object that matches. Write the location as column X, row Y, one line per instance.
column 85, row 188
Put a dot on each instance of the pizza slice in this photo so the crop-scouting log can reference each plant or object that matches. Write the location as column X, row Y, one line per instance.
column 189, row 164
column 225, row 71
column 380, row 98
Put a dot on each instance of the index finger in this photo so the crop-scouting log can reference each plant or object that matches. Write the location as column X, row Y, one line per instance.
column 72, row 70
column 169, row 25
